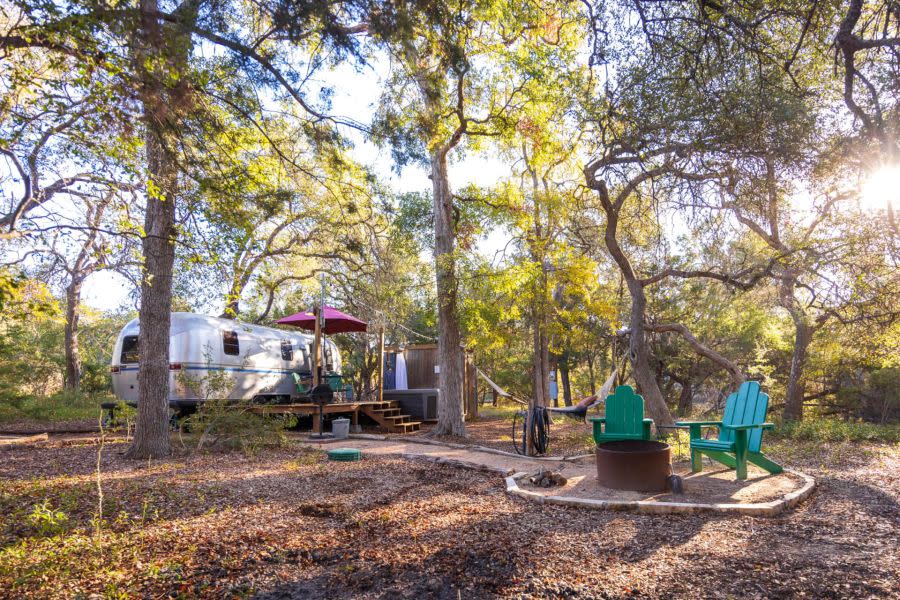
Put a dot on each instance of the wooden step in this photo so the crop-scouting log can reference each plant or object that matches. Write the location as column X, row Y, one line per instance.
column 387, row 415
column 384, row 404
column 388, row 412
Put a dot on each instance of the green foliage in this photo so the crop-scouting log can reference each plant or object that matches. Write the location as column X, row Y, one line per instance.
column 32, row 356
column 733, row 111
column 225, row 425
column 30, row 338
column 823, row 429
column 122, row 416
column 63, row 405
column 221, row 424
column 10, row 286
column 47, row 521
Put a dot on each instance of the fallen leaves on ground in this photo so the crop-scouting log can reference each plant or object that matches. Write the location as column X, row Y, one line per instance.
column 289, row 524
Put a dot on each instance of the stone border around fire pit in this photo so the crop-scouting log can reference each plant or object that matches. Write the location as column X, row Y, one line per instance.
column 760, row 509
column 466, row 458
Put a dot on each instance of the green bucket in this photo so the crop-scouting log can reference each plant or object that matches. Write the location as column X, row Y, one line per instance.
column 344, row 454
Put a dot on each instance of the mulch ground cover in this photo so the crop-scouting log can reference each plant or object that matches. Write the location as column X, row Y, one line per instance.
column 288, row 524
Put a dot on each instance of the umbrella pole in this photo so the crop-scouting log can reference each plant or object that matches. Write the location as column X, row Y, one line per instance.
column 317, row 341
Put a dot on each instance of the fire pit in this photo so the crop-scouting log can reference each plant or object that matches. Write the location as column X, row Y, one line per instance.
column 638, row 465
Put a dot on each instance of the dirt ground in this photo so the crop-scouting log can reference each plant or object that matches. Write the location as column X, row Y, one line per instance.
column 568, row 437
column 288, row 524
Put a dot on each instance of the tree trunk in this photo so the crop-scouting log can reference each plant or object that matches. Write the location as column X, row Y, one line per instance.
column 151, row 435
column 73, row 356
column 639, row 355
column 240, row 280
column 471, row 389
column 563, row 366
column 232, row 305
column 450, row 355
column 685, row 399
column 540, row 372
column 638, row 352
column 540, row 364
column 737, row 376
column 161, row 108
column 803, row 334
column 591, row 377
column 796, row 389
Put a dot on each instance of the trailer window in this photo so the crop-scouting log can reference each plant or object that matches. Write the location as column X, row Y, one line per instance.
column 230, row 343
column 287, row 350
column 130, row 349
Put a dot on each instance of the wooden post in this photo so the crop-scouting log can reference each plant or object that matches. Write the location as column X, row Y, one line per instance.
column 381, row 363
column 317, row 341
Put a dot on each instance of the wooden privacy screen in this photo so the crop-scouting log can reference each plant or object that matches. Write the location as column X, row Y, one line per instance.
column 421, row 359
column 420, row 362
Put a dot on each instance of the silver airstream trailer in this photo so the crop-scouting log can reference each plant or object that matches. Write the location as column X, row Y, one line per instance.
column 251, row 362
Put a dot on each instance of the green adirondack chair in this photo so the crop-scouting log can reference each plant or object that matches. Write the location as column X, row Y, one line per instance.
column 300, row 383
column 740, row 433
column 624, row 418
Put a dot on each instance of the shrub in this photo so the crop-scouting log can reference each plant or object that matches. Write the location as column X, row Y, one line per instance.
column 225, row 425
column 824, row 429
column 61, row 406
column 122, row 416
column 46, row 520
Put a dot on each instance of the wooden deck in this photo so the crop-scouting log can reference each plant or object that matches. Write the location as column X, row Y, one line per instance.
column 386, row 414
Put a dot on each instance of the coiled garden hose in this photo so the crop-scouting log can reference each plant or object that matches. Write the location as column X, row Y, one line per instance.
column 540, row 430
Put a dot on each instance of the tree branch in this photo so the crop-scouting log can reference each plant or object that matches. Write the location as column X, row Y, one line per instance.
column 736, row 375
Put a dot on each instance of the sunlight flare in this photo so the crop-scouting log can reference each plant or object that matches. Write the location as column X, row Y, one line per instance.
column 881, row 188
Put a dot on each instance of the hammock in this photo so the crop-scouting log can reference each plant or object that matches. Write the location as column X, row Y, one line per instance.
column 579, row 411
column 500, row 391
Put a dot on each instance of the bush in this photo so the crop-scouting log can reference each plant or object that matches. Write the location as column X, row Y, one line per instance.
column 61, row 406
column 226, row 425
column 834, row 430
column 47, row 521
column 121, row 417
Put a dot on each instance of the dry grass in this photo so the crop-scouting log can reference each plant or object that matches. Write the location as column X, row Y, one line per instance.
column 493, row 429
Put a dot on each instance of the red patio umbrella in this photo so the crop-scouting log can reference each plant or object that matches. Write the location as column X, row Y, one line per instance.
column 334, row 321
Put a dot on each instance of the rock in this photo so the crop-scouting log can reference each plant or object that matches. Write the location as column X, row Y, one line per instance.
column 546, row 478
